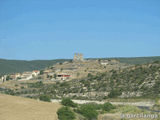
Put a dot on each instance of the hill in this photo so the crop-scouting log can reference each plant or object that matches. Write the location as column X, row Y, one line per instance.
column 17, row 108
column 136, row 81
column 138, row 60
column 13, row 66
column 134, row 60
column 130, row 82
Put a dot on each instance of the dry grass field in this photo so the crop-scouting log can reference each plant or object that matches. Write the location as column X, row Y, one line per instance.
column 17, row 108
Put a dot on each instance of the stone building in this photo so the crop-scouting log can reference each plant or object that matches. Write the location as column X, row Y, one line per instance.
column 78, row 57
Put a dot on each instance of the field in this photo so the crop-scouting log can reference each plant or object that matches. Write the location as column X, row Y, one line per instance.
column 17, row 108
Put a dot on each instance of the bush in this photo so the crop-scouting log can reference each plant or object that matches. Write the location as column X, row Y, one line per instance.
column 107, row 107
column 88, row 111
column 65, row 113
column 45, row 98
column 41, row 72
column 95, row 105
column 114, row 93
column 68, row 102
column 38, row 84
column 89, row 75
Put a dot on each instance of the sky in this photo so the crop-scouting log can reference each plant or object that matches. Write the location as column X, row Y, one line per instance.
column 56, row 29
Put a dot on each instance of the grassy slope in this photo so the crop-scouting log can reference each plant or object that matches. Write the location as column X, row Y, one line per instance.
column 17, row 108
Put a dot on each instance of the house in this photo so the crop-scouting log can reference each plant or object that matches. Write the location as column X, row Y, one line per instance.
column 26, row 76
column 12, row 77
column 35, row 72
column 3, row 78
column 104, row 63
column 47, row 71
column 17, row 75
column 63, row 76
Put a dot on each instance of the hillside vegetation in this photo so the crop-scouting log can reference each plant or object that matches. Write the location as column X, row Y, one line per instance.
column 13, row 66
column 136, row 60
column 135, row 81
column 138, row 81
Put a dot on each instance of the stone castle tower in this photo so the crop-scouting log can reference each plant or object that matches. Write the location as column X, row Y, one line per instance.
column 78, row 57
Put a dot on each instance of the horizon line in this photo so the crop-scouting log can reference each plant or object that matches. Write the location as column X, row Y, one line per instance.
column 84, row 58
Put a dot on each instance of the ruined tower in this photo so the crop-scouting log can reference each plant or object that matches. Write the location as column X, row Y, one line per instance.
column 78, row 57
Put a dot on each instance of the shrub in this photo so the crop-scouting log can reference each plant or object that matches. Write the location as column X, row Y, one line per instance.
column 89, row 75
column 65, row 113
column 45, row 98
column 107, row 106
column 88, row 111
column 38, row 84
column 68, row 102
column 95, row 105
column 41, row 72
column 114, row 93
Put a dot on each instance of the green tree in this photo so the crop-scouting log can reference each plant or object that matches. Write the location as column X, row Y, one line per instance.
column 60, row 63
column 88, row 111
column 45, row 98
column 114, row 93
column 55, row 76
column 41, row 72
column 68, row 102
column 7, row 78
column 89, row 75
column 107, row 106
column 65, row 113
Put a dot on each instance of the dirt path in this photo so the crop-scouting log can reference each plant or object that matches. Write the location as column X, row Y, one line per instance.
column 143, row 104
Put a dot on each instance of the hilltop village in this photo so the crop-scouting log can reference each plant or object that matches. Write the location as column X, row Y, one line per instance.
column 74, row 69
column 89, row 79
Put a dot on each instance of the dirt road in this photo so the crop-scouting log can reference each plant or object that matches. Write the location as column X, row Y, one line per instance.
column 143, row 104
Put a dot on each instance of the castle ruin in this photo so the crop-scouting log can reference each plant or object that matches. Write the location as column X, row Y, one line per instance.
column 78, row 57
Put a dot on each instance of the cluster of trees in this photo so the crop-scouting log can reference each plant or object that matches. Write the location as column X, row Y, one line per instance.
column 89, row 111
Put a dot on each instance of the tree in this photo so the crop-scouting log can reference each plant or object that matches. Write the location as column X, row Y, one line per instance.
column 99, row 60
column 68, row 102
column 65, row 113
column 89, row 75
column 107, row 106
column 55, row 76
column 7, row 78
column 114, row 93
column 45, row 98
column 41, row 72
column 88, row 111
column 60, row 63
